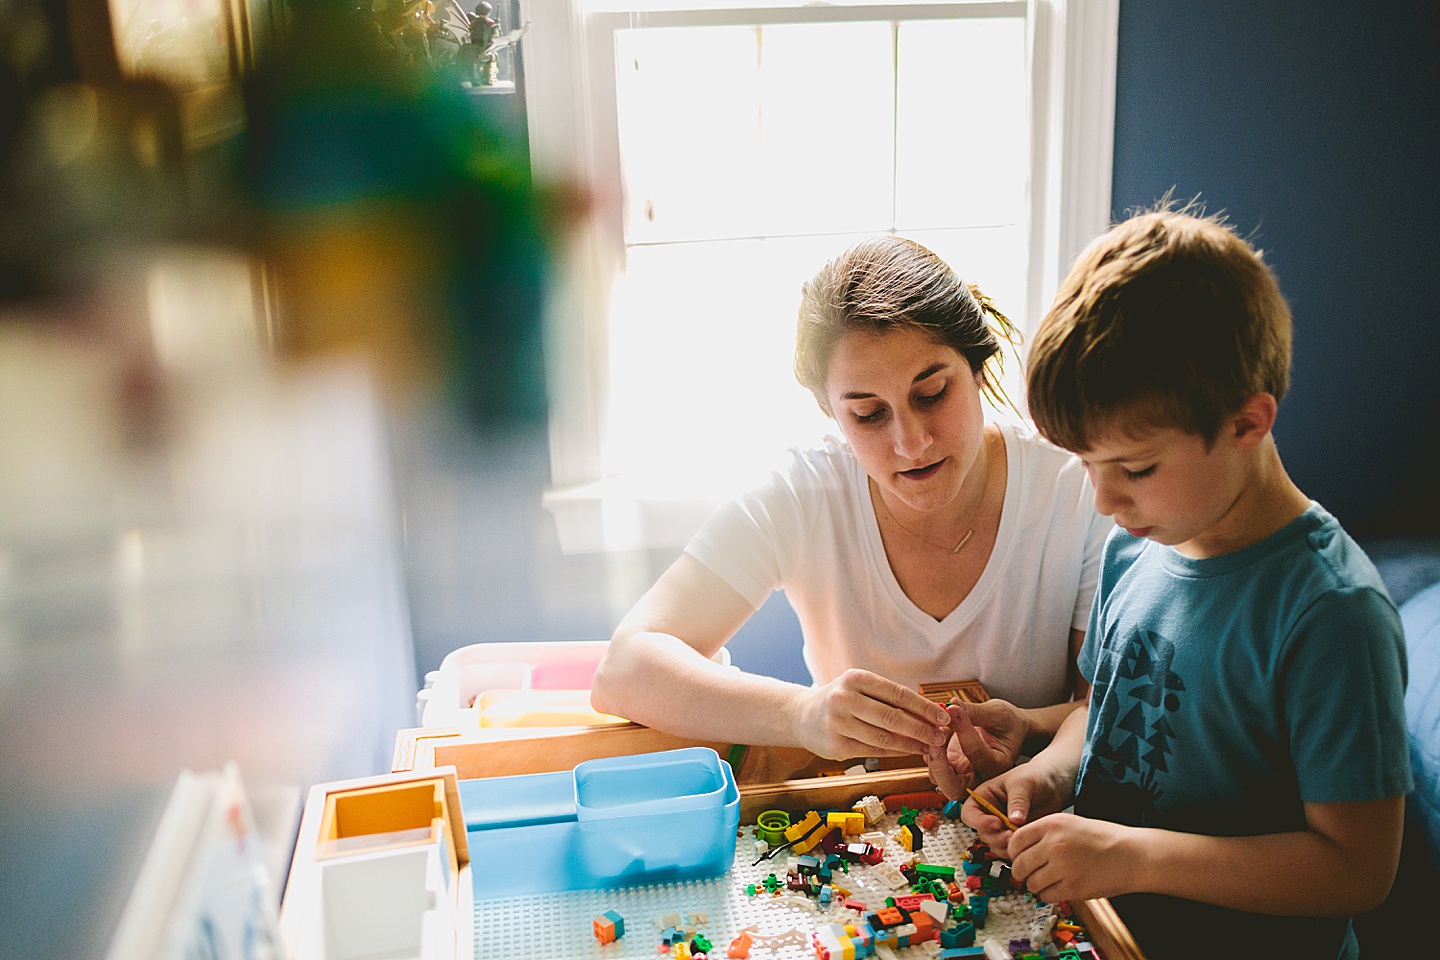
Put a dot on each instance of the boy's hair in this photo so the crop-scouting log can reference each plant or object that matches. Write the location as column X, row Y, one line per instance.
column 1168, row 317
column 887, row 283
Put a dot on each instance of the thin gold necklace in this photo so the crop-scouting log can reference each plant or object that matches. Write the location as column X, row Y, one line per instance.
column 955, row 549
column 987, row 441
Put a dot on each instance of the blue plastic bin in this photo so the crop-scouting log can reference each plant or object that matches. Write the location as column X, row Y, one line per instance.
column 648, row 818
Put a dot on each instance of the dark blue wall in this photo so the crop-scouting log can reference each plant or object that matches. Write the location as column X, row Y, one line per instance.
column 1315, row 126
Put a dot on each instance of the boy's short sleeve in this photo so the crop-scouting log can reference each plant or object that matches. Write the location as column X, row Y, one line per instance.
column 1344, row 698
column 1117, row 551
column 1097, row 531
column 1090, row 648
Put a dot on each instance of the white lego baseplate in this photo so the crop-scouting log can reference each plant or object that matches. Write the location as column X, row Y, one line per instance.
column 557, row 926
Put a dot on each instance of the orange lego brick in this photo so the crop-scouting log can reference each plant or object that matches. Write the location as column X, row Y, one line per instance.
column 890, row 916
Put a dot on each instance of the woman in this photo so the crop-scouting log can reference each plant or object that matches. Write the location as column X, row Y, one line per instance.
column 928, row 546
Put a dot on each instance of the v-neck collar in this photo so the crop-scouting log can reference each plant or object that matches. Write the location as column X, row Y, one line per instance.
column 958, row 618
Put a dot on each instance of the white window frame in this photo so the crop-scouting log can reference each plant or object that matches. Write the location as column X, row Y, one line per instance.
column 568, row 58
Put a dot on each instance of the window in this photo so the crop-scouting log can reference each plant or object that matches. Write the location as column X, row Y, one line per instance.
column 734, row 150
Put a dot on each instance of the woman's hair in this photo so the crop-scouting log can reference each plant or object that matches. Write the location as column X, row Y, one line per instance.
column 887, row 283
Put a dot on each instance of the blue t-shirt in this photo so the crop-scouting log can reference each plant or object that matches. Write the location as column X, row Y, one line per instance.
column 1230, row 690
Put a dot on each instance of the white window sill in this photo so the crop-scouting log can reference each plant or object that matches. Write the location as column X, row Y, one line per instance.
column 630, row 513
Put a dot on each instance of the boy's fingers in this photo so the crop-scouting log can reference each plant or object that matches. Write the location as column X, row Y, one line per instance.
column 991, row 715
column 1017, row 805
column 943, row 775
column 1020, row 841
column 965, row 731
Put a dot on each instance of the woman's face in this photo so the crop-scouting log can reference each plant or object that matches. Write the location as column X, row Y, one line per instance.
column 911, row 409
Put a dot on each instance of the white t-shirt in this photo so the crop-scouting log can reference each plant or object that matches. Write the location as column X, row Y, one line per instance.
column 811, row 530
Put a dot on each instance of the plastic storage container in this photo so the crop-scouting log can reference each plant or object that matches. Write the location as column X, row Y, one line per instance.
column 648, row 818
column 510, row 686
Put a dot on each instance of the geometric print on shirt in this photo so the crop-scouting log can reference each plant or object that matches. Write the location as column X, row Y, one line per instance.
column 1133, row 755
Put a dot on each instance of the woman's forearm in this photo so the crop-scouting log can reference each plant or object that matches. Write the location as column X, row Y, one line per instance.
column 658, row 680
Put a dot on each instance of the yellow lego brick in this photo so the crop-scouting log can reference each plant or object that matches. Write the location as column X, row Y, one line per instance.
column 797, row 830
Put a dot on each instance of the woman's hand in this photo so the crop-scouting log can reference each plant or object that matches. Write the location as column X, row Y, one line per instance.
column 862, row 714
column 988, row 738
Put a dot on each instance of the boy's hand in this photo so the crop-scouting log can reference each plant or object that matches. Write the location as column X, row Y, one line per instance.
column 862, row 714
column 1065, row 857
column 988, row 737
column 1025, row 793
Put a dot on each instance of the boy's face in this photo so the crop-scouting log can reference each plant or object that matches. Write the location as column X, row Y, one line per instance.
column 1168, row 485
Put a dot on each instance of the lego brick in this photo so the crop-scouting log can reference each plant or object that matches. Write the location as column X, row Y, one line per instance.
column 923, row 800
column 802, row 829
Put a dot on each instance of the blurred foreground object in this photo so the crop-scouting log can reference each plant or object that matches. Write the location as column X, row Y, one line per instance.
column 400, row 222
column 204, row 337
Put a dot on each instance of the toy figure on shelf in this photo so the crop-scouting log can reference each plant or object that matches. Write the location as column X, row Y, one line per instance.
column 482, row 65
column 480, row 58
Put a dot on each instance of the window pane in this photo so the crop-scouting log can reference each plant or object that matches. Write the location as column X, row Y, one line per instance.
column 702, row 344
column 828, row 125
column 962, row 131
column 746, row 132
column 688, row 103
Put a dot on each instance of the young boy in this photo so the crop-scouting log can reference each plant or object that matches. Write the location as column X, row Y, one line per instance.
column 1238, row 776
